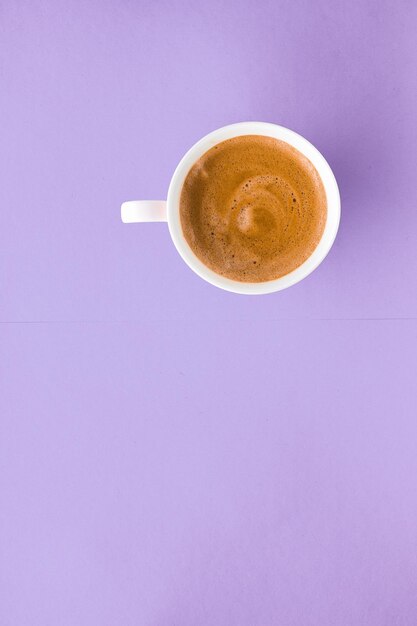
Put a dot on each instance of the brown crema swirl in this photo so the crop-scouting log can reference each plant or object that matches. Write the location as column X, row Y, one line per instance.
column 253, row 208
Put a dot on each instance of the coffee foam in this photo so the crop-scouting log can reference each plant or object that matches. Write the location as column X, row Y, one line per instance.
column 253, row 208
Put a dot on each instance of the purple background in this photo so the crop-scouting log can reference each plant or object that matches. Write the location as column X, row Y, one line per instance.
column 171, row 454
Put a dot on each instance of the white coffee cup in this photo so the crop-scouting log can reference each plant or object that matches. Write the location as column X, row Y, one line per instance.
column 161, row 211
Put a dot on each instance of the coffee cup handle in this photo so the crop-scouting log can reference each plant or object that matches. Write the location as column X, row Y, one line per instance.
column 144, row 211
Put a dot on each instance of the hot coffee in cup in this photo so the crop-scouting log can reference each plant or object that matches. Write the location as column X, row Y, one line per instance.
column 252, row 208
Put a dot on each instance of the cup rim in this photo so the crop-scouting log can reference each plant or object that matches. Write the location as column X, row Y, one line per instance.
column 270, row 130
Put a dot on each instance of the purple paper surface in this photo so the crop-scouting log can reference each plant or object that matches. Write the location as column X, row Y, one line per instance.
column 171, row 454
